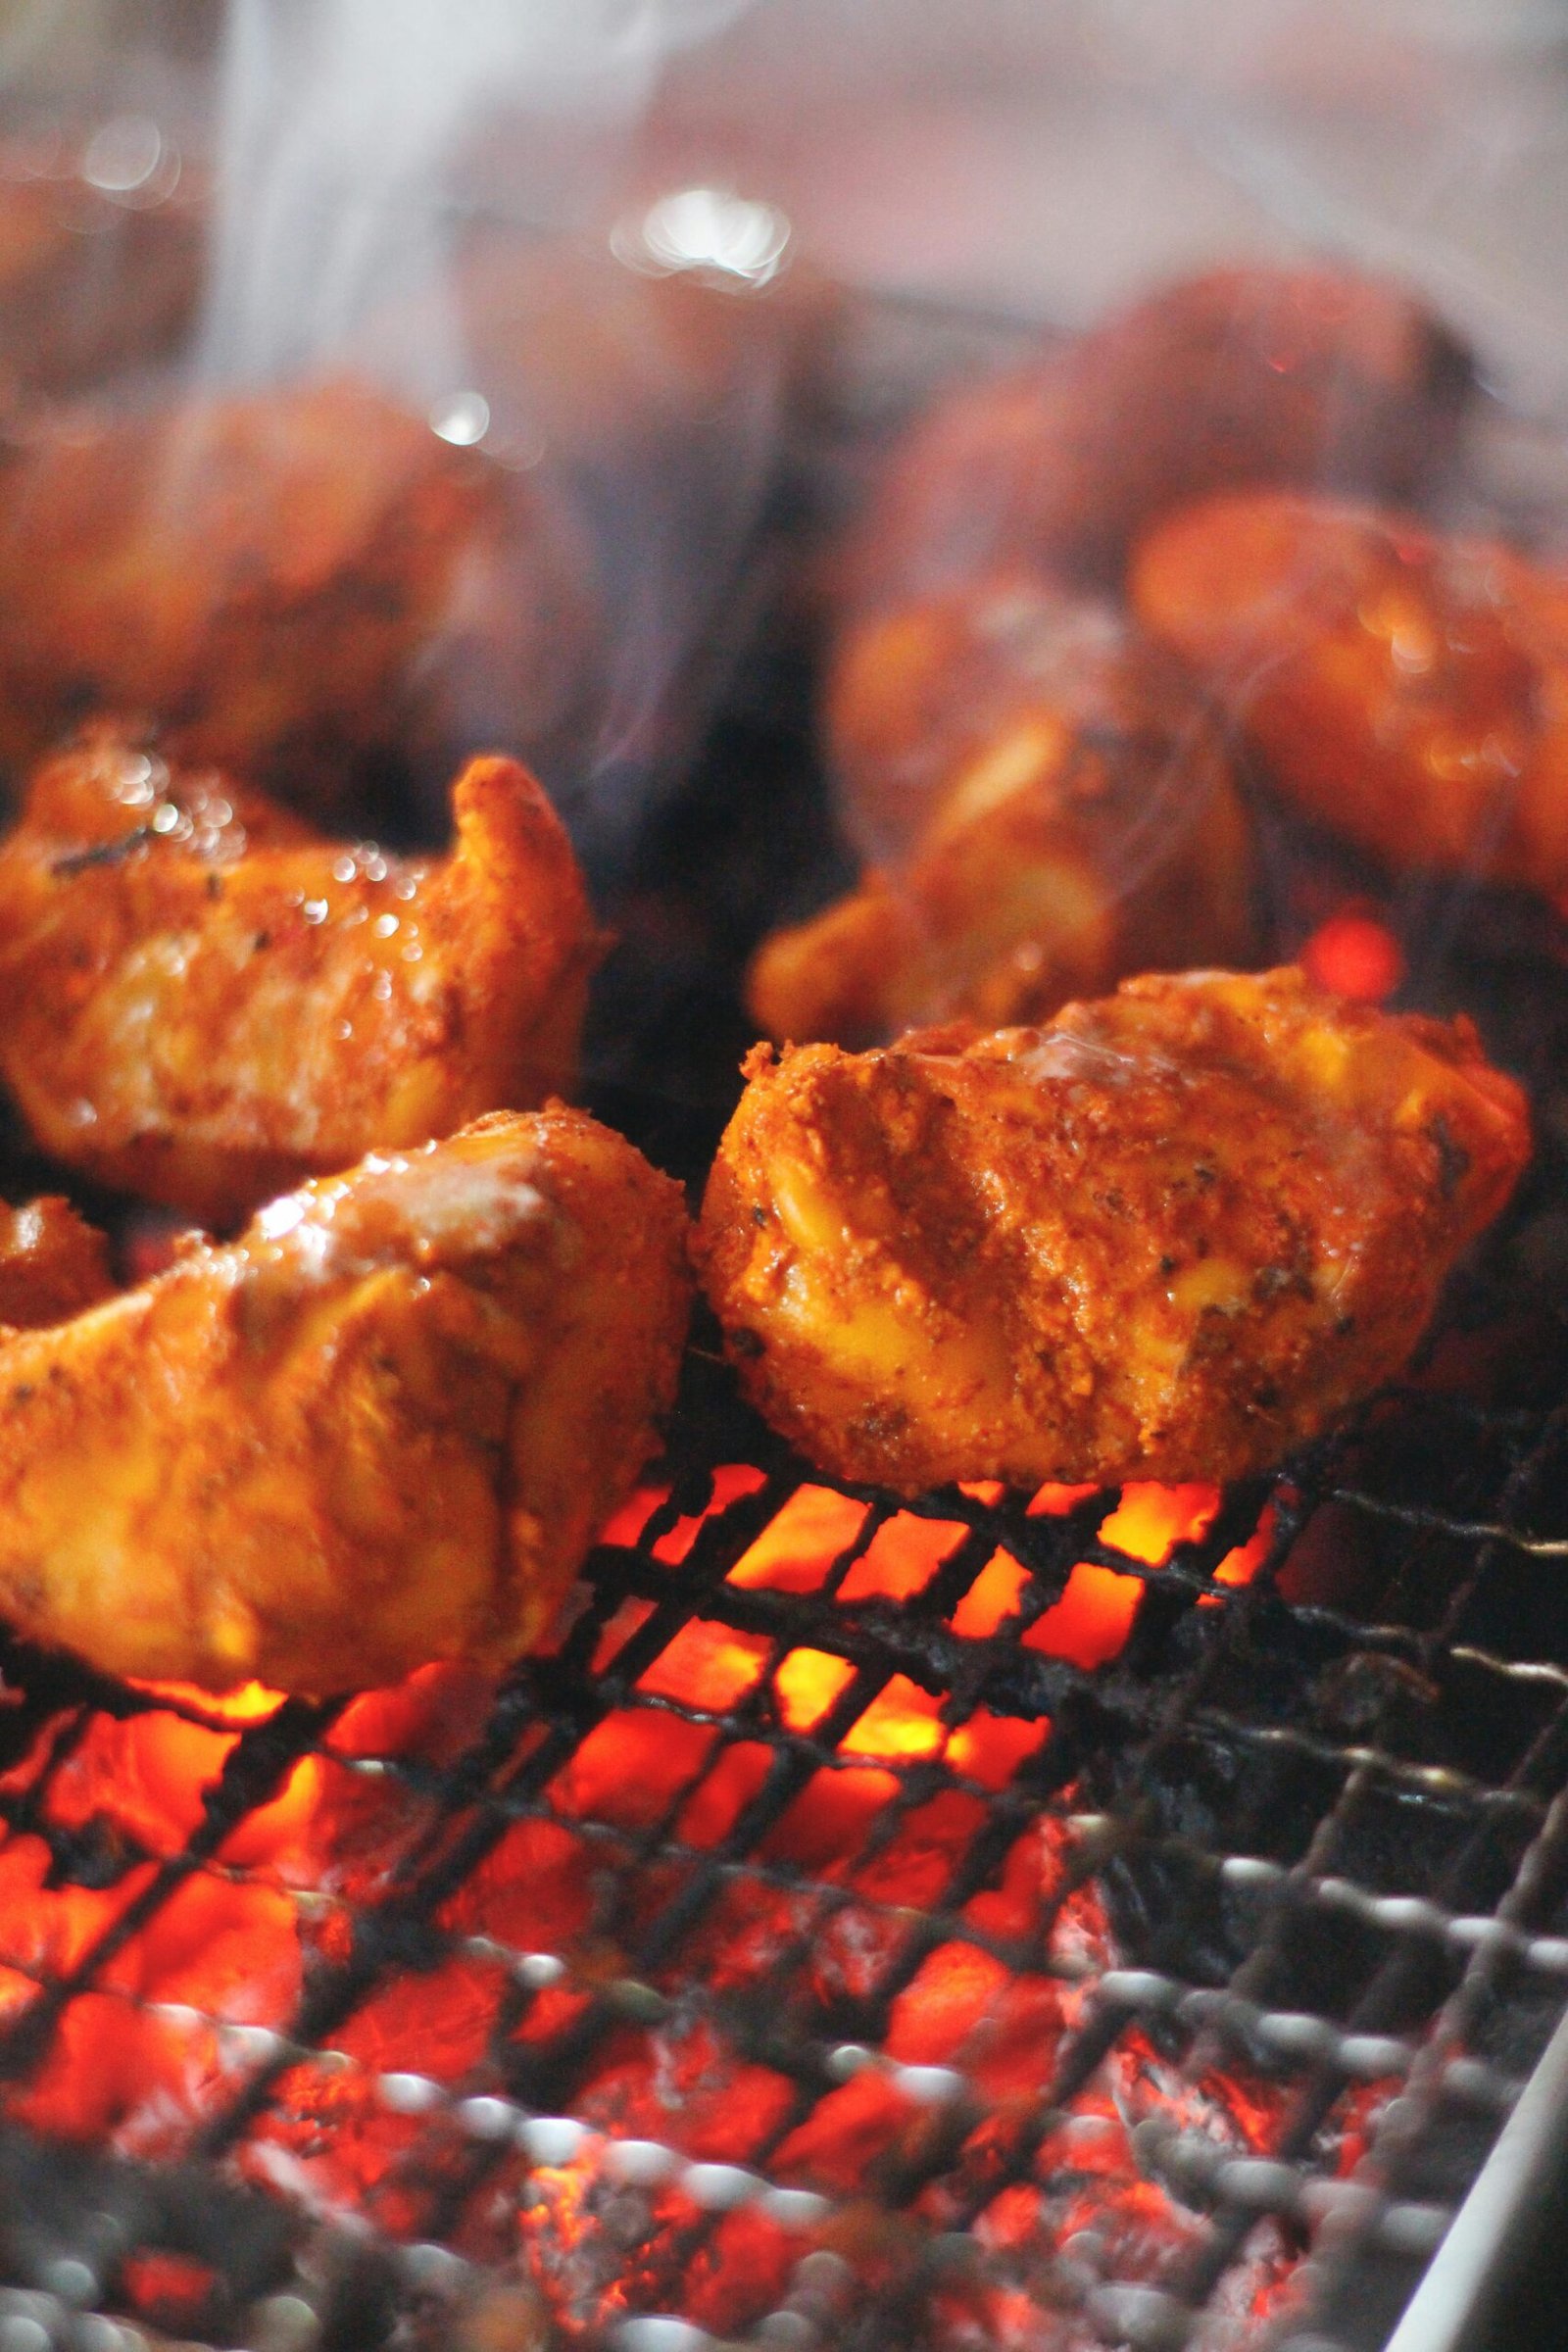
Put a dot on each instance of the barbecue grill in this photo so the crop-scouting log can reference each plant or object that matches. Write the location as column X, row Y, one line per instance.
column 811, row 1946
column 989, row 1921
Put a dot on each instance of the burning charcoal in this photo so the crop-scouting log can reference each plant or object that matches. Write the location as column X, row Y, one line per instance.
column 1404, row 689
column 1241, row 375
column 1060, row 809
column 381, row 1428
column 211, row 1001
column 294, row 583
column 1167, row 1239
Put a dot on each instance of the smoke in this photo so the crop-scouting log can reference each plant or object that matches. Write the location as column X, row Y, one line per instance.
column 344, row 126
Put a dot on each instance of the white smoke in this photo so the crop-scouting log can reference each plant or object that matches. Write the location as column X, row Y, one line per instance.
column 342, row 124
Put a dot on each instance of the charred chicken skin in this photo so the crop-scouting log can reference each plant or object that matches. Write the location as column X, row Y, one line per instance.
column 1407, row 689
column 288, row 584
column 1075, row 810
column 1169, row 1237
column 206, row 1000
column 1239, row 376
column 381, row 1428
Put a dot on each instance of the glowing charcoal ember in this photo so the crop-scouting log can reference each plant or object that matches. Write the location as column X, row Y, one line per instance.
column 733, row 1782
column 902, row 1558
column 534, row 1891
column 552, row 2013
column 145, row 1777
column 1029, row 1888
column 46, row 1930
column 991, row 1748
column 741, row 2275
column 1149, row 1520
column 430, row 1716
column 1089, row 1624
column 915, row 1866
column 632, row 1767
column 901, row 1724
column 807, row 1686
column 165, row 2289
column 825, row 1827
column 796, row 1549
column 1355, row 955
column 115, row 2070
column 251, row 1702
column 442, row 2018
column 1054, row 1501
column 683, row 2088
column 708, row 1665
column 846, row 2134
column 950, row 1994
column 627, row 1524
column 1243, row 1561
column 327, row 2140
column 993, row 1598
column 630, row 1618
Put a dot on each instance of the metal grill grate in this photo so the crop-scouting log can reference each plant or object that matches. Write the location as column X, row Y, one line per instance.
column 1285, row 1875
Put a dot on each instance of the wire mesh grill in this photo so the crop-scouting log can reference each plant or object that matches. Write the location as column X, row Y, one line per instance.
column 974, row 1991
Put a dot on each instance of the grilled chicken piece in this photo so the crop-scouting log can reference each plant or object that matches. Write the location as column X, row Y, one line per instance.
column 1409, row 690
column 1074, row 816
column 1240, row 375
column 52, row 1263
column 206, row 1000
column 1169, row 1237
column 381, row 1428
column 290, row 583
column 91, row 283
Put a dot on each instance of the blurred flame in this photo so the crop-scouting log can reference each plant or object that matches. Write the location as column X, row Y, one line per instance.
column 1353, row 955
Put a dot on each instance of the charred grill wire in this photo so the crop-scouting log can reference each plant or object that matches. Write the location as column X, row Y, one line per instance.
column 1278, row 1843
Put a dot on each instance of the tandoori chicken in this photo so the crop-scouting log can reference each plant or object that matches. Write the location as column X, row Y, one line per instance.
column 1169, row 1237
column 1255, row 375
column 1409, row 690
column 381, row 1428
column 204, row 999
column 1053, row 807
column 291, row 583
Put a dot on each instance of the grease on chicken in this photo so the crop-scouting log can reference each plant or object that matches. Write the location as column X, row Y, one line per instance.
column 1409, row 690
column 382, row 1427
column 52, row 1263
column 1239, row 376
column 1057, row 809
column 1170, row 1236
column 289, row 583
column 206, row 1000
